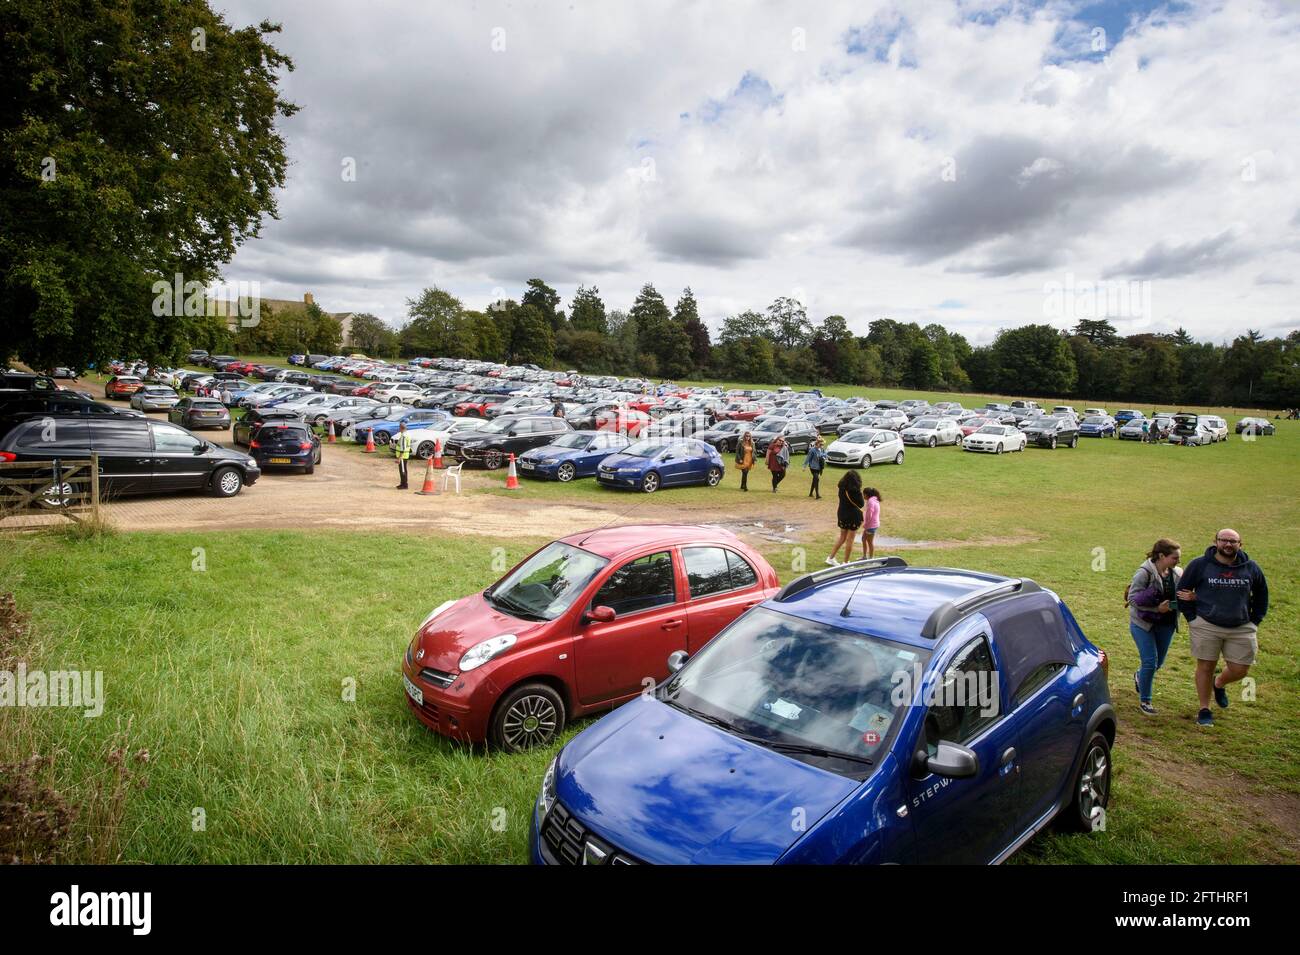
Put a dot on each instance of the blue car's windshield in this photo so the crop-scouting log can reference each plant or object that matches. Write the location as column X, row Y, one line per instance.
column 789, row 683
column 575, row 440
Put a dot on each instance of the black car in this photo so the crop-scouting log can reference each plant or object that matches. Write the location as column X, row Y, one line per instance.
column 492, row 444
column 136, row 455
column 196, row 413
column 680, row 424
column 1051, row 432
column 285, row 444
column 826, row 422
column 799, row 435
column 52, row 402
column 725, row 435
column 11, row 381
column 255, row 418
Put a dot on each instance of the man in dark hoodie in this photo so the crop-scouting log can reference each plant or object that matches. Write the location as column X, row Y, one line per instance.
column 1224, row 596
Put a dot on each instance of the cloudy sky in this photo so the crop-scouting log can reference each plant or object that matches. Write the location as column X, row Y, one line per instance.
column 974, row 163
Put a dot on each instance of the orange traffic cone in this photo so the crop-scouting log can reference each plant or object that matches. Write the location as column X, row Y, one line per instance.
column 370, row 441
column 332, row 439
column 437, row 455
column 429, row 487
column 512, row 478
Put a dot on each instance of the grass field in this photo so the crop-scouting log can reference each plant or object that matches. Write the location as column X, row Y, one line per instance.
column 233, row 677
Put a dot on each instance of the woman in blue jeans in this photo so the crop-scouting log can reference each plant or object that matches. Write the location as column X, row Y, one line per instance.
column 1152, row 614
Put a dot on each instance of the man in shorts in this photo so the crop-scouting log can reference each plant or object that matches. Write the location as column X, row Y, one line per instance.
column 1224, row 596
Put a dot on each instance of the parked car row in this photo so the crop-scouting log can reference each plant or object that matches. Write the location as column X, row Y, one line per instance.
column 738, row 705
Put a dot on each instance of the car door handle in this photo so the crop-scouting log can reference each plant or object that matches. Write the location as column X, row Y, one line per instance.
column 1009, row 756
column 671, row 625
column 1078, row 701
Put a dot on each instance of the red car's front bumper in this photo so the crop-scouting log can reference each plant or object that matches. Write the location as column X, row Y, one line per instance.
column 450, row 714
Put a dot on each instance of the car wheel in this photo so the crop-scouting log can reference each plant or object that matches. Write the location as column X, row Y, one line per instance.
column 1091, row 786
column 566, row 473
column 227, row 482
column 1053, row 444
column 866, row 460
column 394, row 400
column 714, row 476
column 998, row 449
column 53, row 497
column 310, row 469
column 530, row 715
column 933, row 442
column 650, row 483
column 319, row 455
column 382, row 438
column 493, row 460
column 1074, row 442
column 898, row 458
column 424, row 450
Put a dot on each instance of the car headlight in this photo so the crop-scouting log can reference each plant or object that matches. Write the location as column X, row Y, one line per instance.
column 435, row 611
column 548, row 461
column 546, row 799
column 250, row 462
column 481, row 653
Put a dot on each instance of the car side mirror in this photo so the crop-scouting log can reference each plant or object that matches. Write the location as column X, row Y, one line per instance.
column 951, row 760
column 676, row 660
column 600, row 615
column 201, row 447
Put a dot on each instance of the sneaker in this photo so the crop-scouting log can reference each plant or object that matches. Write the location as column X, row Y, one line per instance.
column 1147, row 708
column 1221, row 697
column 832, row 562
column 1205, row 718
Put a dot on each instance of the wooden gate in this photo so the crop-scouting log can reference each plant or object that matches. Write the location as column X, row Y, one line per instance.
column 34, row 492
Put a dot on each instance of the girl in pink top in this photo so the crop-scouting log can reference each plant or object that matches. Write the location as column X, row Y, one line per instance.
column 871, row 523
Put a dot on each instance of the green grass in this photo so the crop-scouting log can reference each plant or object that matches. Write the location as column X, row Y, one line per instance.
column 232, row 678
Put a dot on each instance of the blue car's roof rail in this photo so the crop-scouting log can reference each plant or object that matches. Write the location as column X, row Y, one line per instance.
column 951, row 611
column 800, row 584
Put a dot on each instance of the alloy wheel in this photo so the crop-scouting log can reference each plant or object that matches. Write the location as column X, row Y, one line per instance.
column 531, row 720
column 1094, row 783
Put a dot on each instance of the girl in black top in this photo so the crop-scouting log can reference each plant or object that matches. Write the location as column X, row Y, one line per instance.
column 848, row 515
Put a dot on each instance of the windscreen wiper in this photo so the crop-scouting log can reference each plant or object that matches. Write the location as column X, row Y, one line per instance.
column 516, row 609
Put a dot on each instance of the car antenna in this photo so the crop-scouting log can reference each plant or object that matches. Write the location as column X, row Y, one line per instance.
column 844, row 611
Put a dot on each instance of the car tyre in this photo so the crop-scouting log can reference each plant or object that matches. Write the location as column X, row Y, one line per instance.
column 1053, row 444
column 492, row 460
column 998, row 449
column 1074, row 442
column 528, row 716
column 424, row 450
column 898, row 458
column 714, row 477
column 227, row 482
column 1091, row 785
column 382, row 438
column 566, row 472
column 933, row 442
column 650, row 483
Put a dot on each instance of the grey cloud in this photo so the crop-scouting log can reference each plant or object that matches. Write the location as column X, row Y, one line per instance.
column 1166, row 260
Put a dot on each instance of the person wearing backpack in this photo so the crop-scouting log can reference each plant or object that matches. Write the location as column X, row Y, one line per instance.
column 815, row 461
column 1153, row 614
column 745, row 459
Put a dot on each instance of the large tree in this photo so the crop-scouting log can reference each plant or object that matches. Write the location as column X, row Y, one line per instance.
column 139, row 144
column 372, row 335
column 687, row 315
column 587, row 312
column 547, row 302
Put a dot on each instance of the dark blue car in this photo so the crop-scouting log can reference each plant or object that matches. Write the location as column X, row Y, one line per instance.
column 868, row 713
column 573, row 455
column 653, row 463
column 1097, row 426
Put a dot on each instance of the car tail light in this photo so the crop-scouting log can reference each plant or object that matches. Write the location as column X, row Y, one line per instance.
column 305, row 446
column 8, row 456
column 253, row 444
column 1105, row 663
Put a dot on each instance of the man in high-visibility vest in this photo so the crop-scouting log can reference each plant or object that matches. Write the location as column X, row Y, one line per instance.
column 402, row 449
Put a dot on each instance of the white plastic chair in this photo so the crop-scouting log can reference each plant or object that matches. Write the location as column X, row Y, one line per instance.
column 452, row 473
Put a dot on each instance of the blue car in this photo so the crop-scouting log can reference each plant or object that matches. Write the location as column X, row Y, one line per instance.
column 653, row 463
column 1097, row 426
column 1125, row 415
column 867, row 713
column 574, row 455
column 384, row 428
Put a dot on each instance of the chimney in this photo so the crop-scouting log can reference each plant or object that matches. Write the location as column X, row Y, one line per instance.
column 308, row 299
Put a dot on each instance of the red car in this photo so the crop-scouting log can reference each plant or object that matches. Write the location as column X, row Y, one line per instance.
column 645, row 403
column 624, row 421
column 122, row 386
column 745, row 411
column 971, row 425
column 583, row 624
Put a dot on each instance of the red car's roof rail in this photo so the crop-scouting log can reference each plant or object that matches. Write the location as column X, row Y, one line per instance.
column 951, row 611
column 800, row 584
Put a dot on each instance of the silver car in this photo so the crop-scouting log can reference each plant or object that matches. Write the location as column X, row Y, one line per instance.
column 155, row 398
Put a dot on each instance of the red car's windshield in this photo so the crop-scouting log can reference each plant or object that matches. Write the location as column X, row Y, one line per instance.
column 547, row 584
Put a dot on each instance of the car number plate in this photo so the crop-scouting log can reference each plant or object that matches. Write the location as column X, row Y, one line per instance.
column 280, row 461
column 526, row 465
column 413, row 691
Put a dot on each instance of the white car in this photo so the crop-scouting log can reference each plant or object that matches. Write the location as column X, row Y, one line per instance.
column 425, row 440
column 932, row 432
column 397, row 392
column 995, row 438
column 865, row 447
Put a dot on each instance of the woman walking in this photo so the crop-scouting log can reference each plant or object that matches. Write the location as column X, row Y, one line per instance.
column 778, row 459
column 848, row 516
column 870, row 521
column 745, row 459
column 1153, row 614
column 815, row 461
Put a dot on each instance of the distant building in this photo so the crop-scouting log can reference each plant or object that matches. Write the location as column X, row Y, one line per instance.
column 281, row 306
